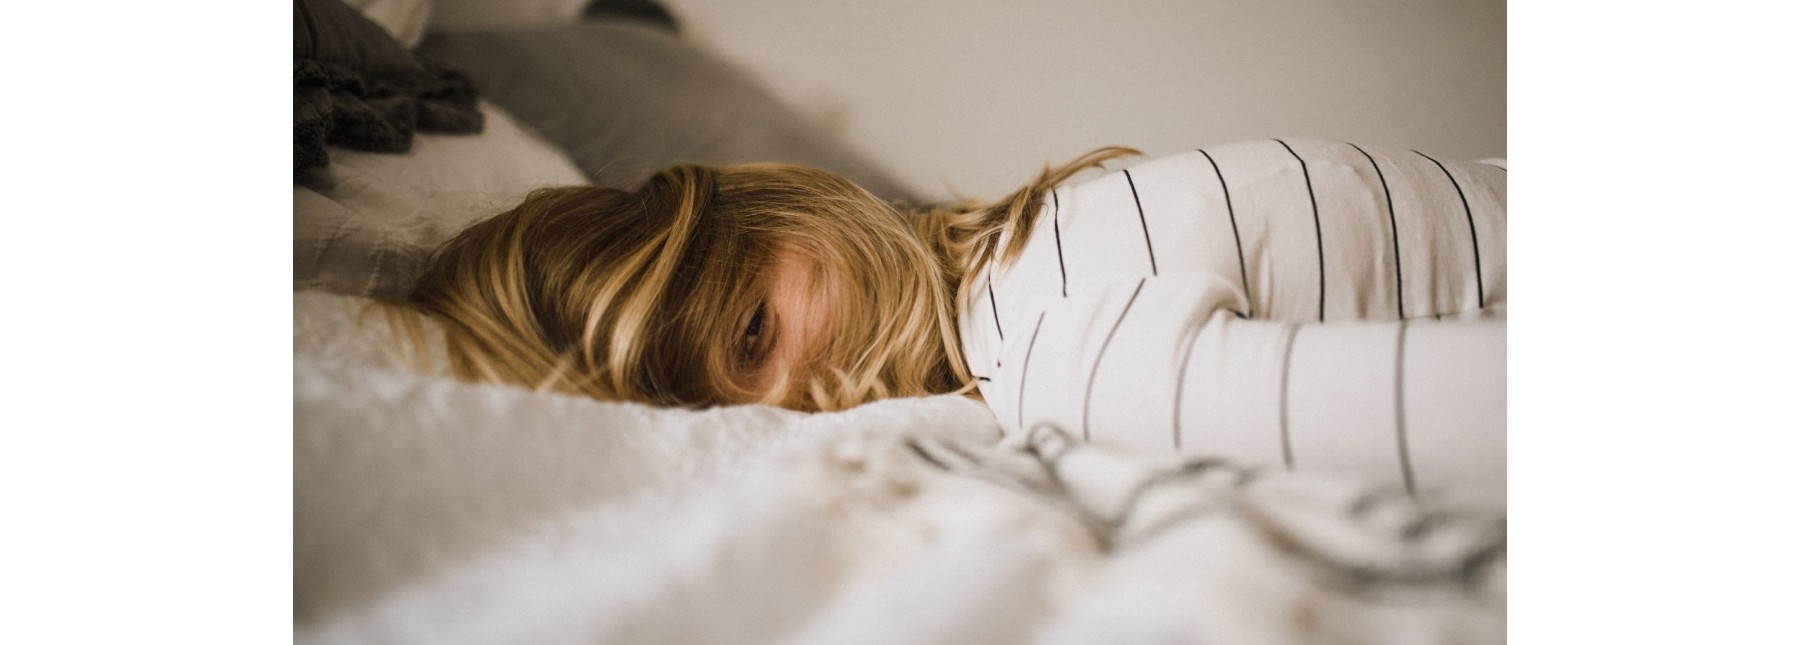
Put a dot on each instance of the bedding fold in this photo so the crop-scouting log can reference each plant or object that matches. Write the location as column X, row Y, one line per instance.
column 899, row 535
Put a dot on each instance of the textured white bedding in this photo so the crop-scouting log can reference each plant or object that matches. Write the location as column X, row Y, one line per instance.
column 398, row 473
column 433, row 511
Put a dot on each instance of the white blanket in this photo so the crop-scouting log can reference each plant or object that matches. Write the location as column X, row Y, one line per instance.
column 433, row 511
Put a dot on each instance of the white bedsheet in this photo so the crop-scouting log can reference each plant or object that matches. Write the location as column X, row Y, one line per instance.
column 433, row 511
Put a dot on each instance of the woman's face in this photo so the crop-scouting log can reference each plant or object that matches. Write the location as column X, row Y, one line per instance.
column 787, row 327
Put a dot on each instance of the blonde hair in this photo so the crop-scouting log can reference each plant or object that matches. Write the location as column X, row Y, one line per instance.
column 968, row 235
column 637, row 295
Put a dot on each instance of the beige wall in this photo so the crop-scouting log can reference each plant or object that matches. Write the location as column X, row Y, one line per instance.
column 970, row 97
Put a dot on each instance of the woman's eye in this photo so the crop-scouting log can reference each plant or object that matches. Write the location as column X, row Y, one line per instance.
column 752, row 346
column 753, row 330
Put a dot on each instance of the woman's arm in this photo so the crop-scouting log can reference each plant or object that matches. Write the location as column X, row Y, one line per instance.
column 1277, row 302
column 1145, row 365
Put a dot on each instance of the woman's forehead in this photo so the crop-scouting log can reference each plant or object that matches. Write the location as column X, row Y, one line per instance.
column 793, row 275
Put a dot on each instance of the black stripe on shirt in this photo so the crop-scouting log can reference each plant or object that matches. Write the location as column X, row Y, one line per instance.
column 1480, row 291
column 1025, row 369
column 1181, row 384
column 1087, row 400
column 996, row 309
column 1406, row 469
column 1141, row 221
column 1056, row 227
column 1318, row 232
column 1243, row 273
column 1399, row 291
column 1287, row 362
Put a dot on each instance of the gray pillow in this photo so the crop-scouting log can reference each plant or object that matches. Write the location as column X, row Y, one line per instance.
column 625, row 98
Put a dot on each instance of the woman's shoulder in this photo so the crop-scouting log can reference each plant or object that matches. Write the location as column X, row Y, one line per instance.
column 1281, row 154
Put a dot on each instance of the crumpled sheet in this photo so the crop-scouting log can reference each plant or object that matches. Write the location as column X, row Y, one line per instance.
column 874, row 526
column 429, row 510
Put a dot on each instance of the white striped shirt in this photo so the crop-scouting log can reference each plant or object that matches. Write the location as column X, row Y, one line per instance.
column 1287, row 303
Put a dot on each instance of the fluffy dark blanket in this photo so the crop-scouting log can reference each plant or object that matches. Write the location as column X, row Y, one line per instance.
column 357, row 88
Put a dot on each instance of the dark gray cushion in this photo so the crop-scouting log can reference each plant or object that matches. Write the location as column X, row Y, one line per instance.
column 356, row 87
column 626, row 98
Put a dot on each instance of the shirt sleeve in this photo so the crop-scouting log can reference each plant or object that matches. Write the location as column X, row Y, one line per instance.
column 1312, row 306
column 1415, row 402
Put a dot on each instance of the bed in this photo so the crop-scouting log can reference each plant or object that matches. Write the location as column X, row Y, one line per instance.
column 432, row 510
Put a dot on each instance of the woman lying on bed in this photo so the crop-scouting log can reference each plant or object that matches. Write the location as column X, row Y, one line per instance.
column 1272, row 299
